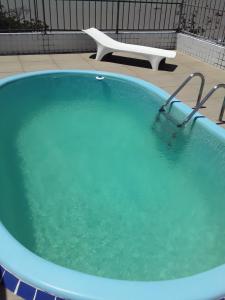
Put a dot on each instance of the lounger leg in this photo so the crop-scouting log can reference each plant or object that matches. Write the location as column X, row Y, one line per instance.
column 101, row 52
column 154, row 61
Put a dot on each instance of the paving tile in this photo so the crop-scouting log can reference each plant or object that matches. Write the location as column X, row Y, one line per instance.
column 86, row 56
column 35, row 58
column 10, row 66
column 38, row 66
column 74, row 66
column 8, row 58
column 70, row 61
column 102, row 66
column 68, row 58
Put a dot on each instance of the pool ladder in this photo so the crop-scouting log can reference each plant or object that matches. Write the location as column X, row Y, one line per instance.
column 199, row 103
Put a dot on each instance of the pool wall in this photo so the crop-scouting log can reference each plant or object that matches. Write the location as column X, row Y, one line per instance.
column 25, row 273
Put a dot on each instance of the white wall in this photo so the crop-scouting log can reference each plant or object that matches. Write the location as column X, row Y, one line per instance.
column 202, row 49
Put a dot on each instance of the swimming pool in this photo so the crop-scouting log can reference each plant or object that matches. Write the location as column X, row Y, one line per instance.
column 102, row 198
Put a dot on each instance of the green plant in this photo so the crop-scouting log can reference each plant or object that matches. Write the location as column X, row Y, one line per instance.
column 13, row 20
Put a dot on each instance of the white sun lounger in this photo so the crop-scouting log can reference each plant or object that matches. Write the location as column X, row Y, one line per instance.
column 106, row 45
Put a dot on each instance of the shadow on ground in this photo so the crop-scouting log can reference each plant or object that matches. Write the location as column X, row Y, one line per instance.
column 141, row 63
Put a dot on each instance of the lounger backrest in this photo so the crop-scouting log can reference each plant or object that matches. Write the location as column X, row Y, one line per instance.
column 100, row 37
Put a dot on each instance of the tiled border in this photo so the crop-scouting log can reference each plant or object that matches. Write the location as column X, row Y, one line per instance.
column 65, row 42
column 22, row 289
column 204, row 50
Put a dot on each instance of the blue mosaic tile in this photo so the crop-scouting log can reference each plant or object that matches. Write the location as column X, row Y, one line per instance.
column 9, row 281
column 44, row 296
column 1, row 272
column 26, row 291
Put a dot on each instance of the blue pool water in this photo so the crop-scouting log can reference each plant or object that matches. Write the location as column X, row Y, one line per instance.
column 92, row 182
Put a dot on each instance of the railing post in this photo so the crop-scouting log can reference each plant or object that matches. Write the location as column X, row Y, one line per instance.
column 117, row 17
column 222, row 111
column 44, row 17
column 36, row 15
column 180, row 16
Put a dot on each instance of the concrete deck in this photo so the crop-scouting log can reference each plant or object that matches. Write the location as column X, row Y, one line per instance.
column 168, row 77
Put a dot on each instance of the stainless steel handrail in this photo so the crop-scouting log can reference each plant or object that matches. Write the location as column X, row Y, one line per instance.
column 162, row 108
column 222, row 111
column 202, row 102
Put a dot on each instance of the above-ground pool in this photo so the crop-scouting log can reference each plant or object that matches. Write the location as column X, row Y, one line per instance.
column 101, row 197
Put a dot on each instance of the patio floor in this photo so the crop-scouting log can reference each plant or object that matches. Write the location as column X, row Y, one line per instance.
column 170, row 75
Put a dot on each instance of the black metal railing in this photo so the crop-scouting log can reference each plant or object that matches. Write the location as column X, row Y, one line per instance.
column 204, row 18
column 72, row 15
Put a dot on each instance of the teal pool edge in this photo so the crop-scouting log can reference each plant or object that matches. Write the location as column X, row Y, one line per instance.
column 70, row 284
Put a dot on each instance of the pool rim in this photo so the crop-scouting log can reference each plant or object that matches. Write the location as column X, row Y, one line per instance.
column 67, row 283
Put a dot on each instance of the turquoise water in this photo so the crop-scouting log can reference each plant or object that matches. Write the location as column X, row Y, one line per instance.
column 91, row 182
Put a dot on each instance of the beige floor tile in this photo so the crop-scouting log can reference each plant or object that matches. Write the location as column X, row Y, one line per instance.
column 180, row 69
column 8, row 67
column 68, row 58
column 216, row 76
column 203, row 68
column 118, row 70
column 86, row 56
column 70, row 61
column 103, row 63
column 8, row 58
column 78, row 66
column 35, row 58
column 38, row 66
